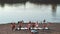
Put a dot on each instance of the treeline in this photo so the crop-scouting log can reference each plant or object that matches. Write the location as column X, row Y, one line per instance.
column 46, row 1
column 13, row 1
column 33, row 1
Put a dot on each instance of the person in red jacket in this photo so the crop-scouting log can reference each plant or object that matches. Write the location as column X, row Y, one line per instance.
column 13, row 25
column 33, row 25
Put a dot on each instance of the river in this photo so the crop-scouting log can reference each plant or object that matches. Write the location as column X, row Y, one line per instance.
column 29, row 12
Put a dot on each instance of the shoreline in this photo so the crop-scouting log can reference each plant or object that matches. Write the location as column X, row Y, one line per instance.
column 35, row 22
column 6, row 29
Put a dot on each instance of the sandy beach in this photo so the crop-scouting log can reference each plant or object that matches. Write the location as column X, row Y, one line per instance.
column 6, row 29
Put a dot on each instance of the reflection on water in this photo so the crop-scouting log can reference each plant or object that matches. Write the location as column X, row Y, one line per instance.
column 29, row 12
column 53, row 13
column 2, row 5
column 54, row 8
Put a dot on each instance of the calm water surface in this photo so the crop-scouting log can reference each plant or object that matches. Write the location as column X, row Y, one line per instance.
column 29, row 12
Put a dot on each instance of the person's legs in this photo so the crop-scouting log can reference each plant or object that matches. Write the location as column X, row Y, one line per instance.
column 20, row 27
column 13, row 28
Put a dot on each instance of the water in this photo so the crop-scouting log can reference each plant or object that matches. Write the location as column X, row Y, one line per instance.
column 29, row 12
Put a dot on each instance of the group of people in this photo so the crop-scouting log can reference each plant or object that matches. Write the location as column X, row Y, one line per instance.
column 13, row 25
column 29, row 25
column 32, row 24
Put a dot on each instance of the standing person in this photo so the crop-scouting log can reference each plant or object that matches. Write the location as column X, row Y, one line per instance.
column 44, row 25
column 13, row 25
column 44, row 21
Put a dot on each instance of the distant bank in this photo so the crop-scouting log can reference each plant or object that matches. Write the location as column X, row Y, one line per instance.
column 33, row 1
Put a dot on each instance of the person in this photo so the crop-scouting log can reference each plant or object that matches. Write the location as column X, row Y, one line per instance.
column 44, row 25
column 13, row 25
column 33, row 25
column 20, row 24
column 44, row 20
column 29, row 25
column 36, row 24
column 33, row 31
